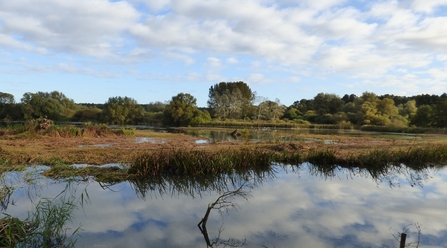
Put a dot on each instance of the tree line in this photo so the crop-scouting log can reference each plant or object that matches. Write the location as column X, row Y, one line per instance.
column 234, row 100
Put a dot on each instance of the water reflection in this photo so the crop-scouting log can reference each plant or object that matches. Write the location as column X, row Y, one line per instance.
column 45, row 224
column 259, row 135
column 223, row 204
column 304, row 206
column 195, row 186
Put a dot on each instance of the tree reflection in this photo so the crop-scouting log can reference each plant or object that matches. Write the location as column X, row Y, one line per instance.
column 223, row 203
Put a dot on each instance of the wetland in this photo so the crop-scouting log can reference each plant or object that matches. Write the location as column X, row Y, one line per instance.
column 196, row 187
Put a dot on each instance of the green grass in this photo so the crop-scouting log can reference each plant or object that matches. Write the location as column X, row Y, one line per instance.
column 198, row 162
column 46, row 225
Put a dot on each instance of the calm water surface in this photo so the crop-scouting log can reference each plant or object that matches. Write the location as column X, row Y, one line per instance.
column 287, row 134
column 289, row 207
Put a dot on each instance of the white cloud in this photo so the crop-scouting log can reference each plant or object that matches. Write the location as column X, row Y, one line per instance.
column 367, row 41
column 427, row 6
column 232, row 60
column 92, row 28
column 257, row 78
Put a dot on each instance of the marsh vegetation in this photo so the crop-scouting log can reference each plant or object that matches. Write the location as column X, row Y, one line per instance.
column 158, row 164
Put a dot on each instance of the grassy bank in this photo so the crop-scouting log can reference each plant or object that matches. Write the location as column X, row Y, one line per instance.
column 163, row 154
column 211, row 162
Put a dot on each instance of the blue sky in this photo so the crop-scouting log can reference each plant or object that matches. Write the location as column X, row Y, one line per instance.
column 151, row 50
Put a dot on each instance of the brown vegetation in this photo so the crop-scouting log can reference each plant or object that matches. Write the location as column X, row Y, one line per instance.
column 101, row 149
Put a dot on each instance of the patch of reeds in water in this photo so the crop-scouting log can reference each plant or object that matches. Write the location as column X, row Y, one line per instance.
column 226, row 161
column 199, row 162
column 379, row 162
column 45, row 226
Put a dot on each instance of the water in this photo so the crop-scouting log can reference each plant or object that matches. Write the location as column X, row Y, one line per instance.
column 289, row 207
column 285, row 135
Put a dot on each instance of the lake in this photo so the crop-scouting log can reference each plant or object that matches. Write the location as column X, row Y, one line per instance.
column 288, row 206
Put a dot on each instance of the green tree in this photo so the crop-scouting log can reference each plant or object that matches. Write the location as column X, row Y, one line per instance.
column 423, row 116
column 386, row 107
column 408, row 110
column 180, row 110
column 304, row 105
column 349, row 98
column 271, row 110
column 201, row 117
column 237, row 96
column 6, row 98
column 122, row 110
column 155, row 107
column 327, row 103
column 53, row 105
column 87, row 114
column 7, row 103
column 440, row 113
column 292, row 113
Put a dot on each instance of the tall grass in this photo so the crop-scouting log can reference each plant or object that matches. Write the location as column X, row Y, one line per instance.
column 34, row 127
column 199, row 162
column 45, row 226
column 227, row 161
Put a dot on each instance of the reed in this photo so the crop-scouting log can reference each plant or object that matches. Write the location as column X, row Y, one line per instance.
column 326, row 157
column 46, row 225
column 199, row 162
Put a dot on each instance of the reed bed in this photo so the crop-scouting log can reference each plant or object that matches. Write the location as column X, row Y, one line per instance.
column 199, row 162
column 254, row 159
column 35, row 127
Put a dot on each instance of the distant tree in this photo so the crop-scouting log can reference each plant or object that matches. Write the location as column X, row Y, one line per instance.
column 271, row 110
column 303, row 105
column 155, row 107
column 425, row 99
column 180, row 110
column 408, row 110
column 292, row 113
column 229, row 105
column 7, row 104
column 122, row 110
column 349, row 98
column 201, row 117
column 386, row 107
column 423, row 116
column 397, row 99
column 53, row 105
column 259, row 108
column 234, row 95
column 327, row 103
column 440, row 113
column 6, row 98
column 87, row 114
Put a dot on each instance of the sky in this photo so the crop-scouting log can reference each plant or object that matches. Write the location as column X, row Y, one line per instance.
column 152, row 50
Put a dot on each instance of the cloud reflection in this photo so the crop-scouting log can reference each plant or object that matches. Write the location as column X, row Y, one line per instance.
column 296, row 209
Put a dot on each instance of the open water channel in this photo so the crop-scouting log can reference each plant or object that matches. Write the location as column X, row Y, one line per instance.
column 289, row 206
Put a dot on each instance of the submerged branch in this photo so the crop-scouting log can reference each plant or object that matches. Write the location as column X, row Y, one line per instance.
column 223, row 204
